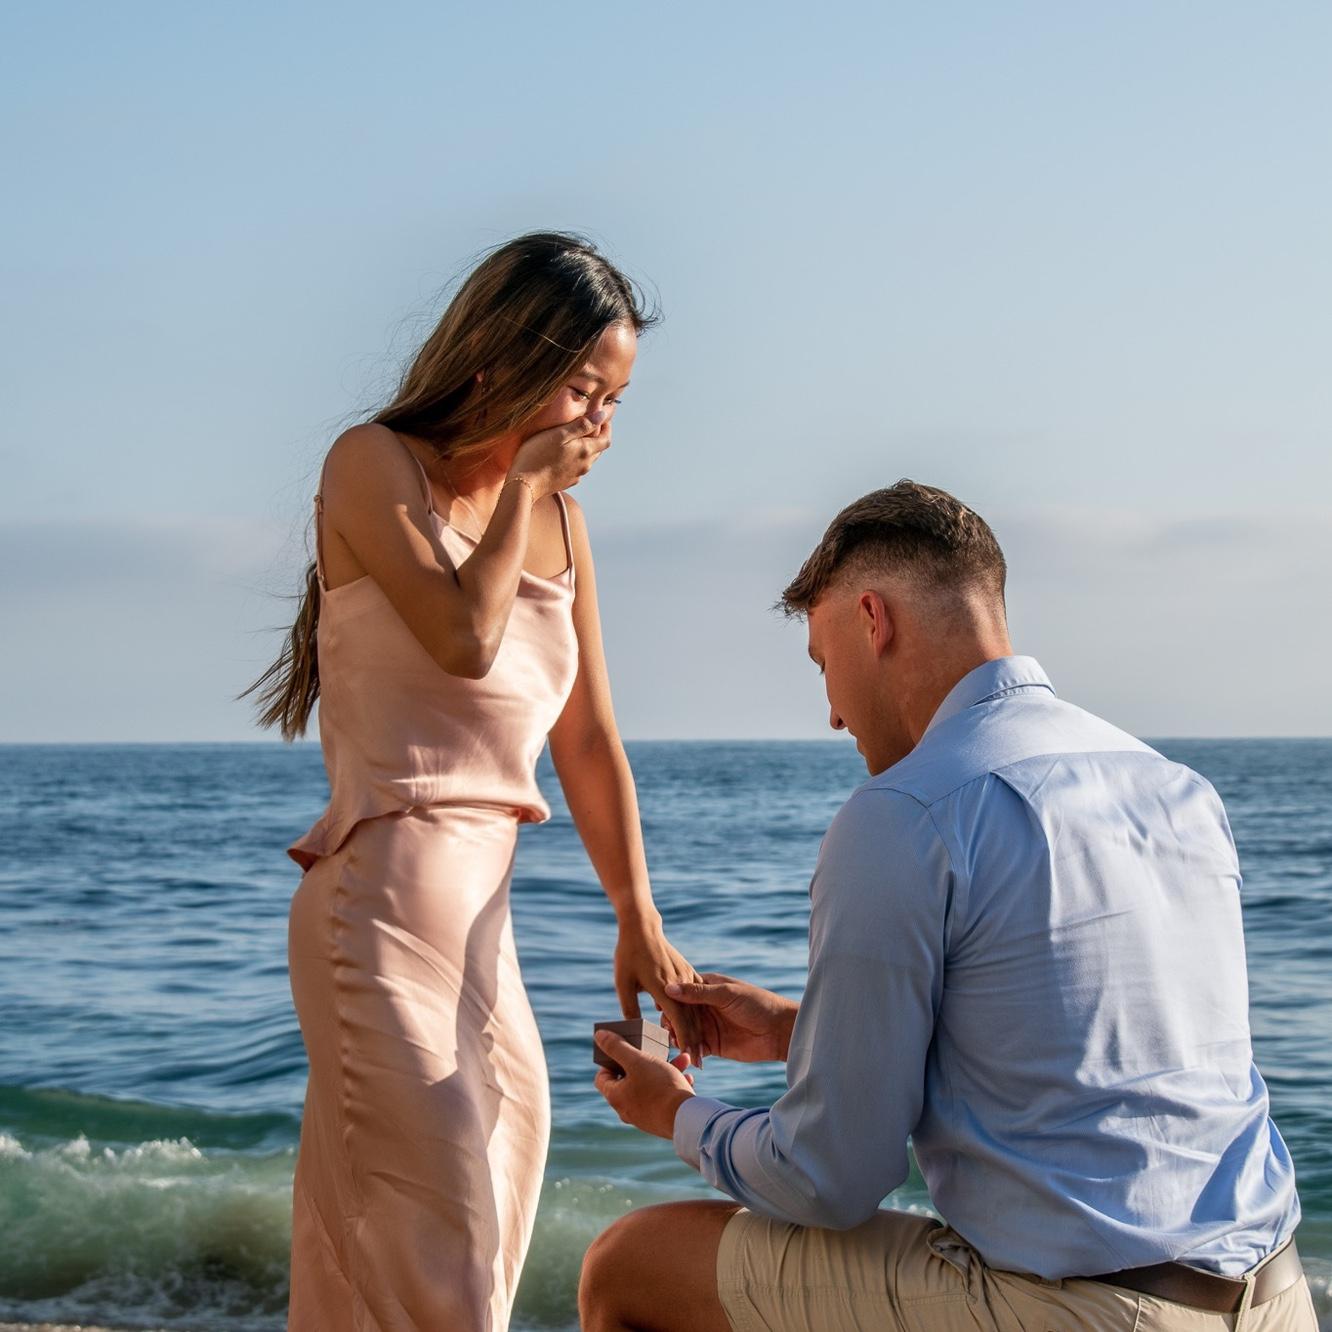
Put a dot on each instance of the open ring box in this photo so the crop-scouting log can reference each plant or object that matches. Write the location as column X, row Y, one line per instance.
column 640, row 1033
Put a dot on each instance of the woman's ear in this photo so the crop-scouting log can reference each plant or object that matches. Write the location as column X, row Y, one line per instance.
column 478, row 382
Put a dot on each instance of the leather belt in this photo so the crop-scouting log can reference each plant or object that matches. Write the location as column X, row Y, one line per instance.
column 1182, row 1284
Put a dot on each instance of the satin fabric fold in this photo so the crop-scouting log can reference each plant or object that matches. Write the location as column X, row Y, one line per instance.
column 426, row 1116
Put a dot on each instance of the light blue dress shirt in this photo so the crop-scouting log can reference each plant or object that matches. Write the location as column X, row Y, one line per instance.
column 1025, row 953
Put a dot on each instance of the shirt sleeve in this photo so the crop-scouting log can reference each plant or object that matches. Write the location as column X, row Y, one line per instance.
column 835, row 1143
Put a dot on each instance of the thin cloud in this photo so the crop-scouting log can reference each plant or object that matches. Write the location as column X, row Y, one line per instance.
column 63, row 557
column 1198, row 627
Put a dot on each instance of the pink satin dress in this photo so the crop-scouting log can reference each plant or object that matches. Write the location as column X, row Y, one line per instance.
column 427, row 1116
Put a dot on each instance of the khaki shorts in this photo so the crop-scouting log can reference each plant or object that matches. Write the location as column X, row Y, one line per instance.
column 904, row 1273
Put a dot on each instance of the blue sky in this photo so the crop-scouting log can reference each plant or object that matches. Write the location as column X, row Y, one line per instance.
column 1067, row 261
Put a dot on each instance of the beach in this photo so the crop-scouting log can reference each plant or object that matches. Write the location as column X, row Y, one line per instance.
column 151, row 1069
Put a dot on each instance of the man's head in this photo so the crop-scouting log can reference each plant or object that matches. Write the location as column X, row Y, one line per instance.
column 903, row 596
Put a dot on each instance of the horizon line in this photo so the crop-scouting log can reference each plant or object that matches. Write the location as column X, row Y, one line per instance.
column 637, row 739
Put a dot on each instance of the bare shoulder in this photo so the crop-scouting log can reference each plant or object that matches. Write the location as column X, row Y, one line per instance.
column 369, row 464
column 581, row 545
column 577, row 519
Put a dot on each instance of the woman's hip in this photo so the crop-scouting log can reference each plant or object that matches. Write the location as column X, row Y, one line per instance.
column 407, row 929
column 436, row 871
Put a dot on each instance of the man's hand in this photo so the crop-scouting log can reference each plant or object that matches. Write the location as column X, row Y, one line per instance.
column 651, row 1089
column 740, row 1021
column 646, row 960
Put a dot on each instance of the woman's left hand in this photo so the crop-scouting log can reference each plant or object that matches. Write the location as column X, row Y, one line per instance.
column 646, row 961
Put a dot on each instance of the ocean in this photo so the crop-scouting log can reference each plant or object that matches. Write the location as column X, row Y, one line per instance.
column 152, row 1072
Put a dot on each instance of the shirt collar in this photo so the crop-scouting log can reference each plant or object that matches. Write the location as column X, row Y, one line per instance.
column 987, row 681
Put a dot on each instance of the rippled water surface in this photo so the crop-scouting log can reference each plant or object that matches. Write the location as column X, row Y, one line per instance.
column 151, row 1069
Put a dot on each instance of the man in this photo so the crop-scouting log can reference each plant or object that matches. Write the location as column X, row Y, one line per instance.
column 1025, row 954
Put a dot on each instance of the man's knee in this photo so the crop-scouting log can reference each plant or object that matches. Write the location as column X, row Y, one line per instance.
column 623, row 1245
column 626, row 1280
column 599, row 1261
column 610, row 1265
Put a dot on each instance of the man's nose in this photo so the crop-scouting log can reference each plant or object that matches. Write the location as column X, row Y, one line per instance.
column 835, row 721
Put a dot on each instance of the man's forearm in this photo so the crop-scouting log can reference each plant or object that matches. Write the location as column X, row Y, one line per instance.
column 737, row 1151
column 835, row 1144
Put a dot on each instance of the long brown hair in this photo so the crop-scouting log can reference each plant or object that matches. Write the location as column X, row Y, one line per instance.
column 523, row 320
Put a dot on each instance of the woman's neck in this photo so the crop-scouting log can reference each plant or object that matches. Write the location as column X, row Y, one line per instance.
column 477, row 480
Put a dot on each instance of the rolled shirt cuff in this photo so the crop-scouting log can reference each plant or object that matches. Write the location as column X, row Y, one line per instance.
column 691, row 1122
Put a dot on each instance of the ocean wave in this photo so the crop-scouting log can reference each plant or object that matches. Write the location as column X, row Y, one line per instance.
column 159, row 1231
column 45, row 1114
column 164, row 1233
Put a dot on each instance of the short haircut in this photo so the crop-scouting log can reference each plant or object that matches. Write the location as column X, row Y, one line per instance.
column 908, row 528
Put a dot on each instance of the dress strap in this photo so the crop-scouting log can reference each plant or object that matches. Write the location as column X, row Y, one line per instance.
column 568, row 536
column 319, row 512
column 425, row 480
column 318, row 529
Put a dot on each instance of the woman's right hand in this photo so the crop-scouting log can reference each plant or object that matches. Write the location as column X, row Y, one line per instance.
column 560, row 457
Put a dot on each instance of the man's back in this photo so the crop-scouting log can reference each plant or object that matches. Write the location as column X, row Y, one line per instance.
column 1026, row 954
column 1090, row 1091
column 1026, row 957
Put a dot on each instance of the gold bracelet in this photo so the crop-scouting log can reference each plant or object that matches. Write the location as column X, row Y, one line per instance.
column 523, row 481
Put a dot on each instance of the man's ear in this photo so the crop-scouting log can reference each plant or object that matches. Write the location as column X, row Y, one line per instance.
column 876, row 620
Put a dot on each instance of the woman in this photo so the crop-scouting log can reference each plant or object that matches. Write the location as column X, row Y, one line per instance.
column 450, row 625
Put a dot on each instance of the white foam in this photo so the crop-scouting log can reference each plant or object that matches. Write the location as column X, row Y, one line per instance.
column 11, row 1149
column 1319, row 1273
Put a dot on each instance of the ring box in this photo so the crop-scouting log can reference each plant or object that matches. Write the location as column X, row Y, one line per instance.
column 640, row 1033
